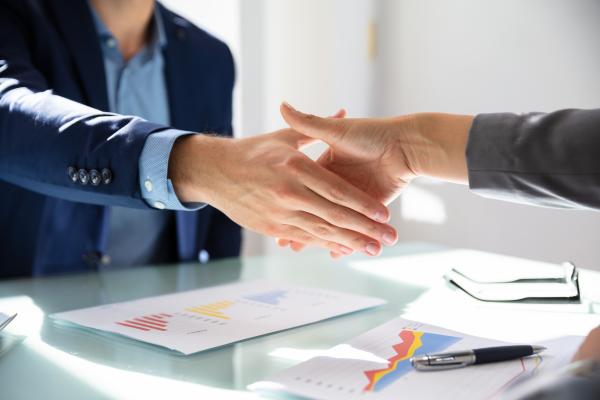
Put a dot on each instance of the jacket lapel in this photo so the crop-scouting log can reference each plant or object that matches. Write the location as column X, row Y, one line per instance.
column 76, row 25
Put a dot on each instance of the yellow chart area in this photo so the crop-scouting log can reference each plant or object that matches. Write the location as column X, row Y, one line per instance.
column 212, row 309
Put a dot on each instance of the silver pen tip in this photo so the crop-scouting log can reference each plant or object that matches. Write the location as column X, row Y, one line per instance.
column 538, row 349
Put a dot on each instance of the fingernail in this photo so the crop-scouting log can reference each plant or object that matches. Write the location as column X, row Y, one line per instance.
column 380, row 217
column 389, row 238
column 346, row 250
column 372, row 249
column 288, row 106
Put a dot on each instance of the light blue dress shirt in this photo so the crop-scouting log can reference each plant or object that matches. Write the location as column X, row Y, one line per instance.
column 137, row 87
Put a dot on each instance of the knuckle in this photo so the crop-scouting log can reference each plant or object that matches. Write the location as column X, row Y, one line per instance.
column 310, row 117
column 322, row 230
column 337, row 216
column 373, row 229
column 294, row 163
column 358, row 242
column 337, row 193
column 284, row 192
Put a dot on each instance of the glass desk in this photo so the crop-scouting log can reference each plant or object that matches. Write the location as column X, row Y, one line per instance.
column 43, row 360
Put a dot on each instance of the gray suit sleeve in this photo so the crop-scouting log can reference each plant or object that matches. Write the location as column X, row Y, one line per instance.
column 544, row 159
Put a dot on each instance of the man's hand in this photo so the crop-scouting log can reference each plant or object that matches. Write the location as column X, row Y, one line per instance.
column 266, row 184
column 381, row 156
column 590, row 348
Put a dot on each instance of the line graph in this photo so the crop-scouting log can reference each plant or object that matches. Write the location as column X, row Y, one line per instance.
column 413, row 342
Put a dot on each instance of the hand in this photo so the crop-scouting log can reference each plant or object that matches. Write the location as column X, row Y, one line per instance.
column 381, row 156
column 590, row 348
column 265, row 184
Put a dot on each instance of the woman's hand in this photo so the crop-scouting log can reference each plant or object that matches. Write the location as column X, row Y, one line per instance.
column 381, row 156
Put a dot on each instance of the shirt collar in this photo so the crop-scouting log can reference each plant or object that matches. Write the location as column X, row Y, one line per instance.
column 158, row 29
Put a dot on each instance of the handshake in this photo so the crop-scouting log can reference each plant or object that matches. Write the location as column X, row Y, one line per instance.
column 338, row 202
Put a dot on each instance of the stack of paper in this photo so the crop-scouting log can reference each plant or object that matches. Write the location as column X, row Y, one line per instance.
column 377, row 365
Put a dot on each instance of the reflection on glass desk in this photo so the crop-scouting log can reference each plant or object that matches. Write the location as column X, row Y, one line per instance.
column 57, row 362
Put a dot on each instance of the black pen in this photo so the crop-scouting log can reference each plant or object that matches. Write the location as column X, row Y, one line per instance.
column 458, row 359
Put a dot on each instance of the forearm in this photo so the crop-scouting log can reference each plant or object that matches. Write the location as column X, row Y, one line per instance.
column 42, row 135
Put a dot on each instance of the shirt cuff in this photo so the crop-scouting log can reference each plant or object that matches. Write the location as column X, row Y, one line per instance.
column 157, row 190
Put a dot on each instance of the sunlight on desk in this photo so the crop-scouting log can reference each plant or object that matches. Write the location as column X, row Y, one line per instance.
column 342, row 351
column 109, row 381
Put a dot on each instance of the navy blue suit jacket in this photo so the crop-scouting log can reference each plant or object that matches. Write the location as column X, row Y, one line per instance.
column 52, row 102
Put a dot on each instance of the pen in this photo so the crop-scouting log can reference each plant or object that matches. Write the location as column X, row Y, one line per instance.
column 8, row 321
column 458, row 359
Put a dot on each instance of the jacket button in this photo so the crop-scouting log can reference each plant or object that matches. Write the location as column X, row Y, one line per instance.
column 106, row 176
column 72, row 171
column 84, row 176
column 95, row 177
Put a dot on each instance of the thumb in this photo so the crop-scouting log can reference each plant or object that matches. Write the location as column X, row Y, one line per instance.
column 328, row 130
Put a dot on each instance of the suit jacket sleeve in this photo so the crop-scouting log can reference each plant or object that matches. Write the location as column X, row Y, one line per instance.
column 42, row 134
column 544, row 159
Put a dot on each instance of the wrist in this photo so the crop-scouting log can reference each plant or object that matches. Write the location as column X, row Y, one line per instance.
column 194, row 164
column 440, row 142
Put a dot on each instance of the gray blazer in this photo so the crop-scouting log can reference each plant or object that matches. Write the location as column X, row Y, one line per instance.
column 549, row 159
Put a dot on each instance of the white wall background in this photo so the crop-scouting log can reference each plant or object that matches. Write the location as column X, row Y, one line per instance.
column 463, row 56
column 470, row 56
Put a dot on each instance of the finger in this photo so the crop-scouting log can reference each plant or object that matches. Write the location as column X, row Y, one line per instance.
column 297, row 246
column 339, row 192
column 282, row 242
column 328, row 130
column 299, row 235
column 325, row 231
column 348, row 219
column 341, row 113
column 299, row 140
column 295, row 139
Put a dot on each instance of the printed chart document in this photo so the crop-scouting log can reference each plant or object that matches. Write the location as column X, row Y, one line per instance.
column 202, row 319
column 376, row 365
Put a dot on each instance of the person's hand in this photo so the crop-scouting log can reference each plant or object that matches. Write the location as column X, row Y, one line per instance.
column 590, row 348
column 380, row 156
column 266, row 184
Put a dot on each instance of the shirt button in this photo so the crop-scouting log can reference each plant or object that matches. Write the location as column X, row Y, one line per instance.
column 148, row 185
column 106, row 176
column 159, row 204
column 111, row 42
column 84, row 176
column 72, row 171
column 95, row 177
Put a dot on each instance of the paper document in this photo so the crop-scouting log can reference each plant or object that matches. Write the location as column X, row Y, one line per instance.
column 376, row 365
column 5, row 320
column 202, row 319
